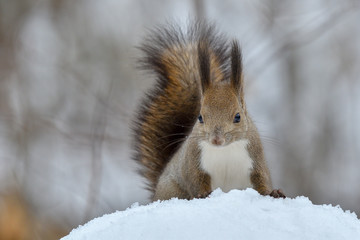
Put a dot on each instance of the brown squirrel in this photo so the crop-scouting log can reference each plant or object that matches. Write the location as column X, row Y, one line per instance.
column 193, row 133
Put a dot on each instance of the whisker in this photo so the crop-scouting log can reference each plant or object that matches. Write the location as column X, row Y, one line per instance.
column 170, row 142
column 175, row 134
column 182, row 125
column 270, row 139
column 265, row 139
column 180, row 140
column 173, row 143
column 274, row 143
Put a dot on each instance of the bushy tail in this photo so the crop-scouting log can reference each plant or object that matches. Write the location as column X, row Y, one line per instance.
column 169, row 111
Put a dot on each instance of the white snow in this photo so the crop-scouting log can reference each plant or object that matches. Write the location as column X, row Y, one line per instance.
column 234, row 215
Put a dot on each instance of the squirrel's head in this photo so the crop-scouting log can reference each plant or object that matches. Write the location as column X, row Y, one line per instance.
column 223, row 117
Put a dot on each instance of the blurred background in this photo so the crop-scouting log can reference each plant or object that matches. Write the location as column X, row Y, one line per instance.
column 69, row 86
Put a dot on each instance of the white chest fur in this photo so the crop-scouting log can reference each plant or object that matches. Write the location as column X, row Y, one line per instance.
column 229, row 167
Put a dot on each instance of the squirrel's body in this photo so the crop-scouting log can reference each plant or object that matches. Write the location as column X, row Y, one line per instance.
column 199, row 77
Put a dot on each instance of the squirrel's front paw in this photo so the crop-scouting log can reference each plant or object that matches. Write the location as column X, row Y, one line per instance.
column 277, row 193
column 203, row 195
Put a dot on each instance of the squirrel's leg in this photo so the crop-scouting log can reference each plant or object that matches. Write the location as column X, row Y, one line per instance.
column 262, row 184
column 277, row 193
column 199, row 186
column 169, row 189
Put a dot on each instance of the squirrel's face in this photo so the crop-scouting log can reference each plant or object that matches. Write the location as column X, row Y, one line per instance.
column 222, row 119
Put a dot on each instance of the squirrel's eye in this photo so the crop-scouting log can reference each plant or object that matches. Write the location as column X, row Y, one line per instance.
column 237, row 118
column 200, row 119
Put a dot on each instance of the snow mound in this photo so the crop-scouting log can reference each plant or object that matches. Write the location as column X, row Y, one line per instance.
column 234, row 215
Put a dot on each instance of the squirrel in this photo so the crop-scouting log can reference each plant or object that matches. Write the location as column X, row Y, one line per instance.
column 192, row 132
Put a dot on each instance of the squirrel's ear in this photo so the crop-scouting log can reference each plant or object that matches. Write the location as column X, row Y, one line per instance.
column 236, row 70
column 204, row 65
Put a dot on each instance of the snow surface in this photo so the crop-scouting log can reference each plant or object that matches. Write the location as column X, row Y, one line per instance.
column 234, row 215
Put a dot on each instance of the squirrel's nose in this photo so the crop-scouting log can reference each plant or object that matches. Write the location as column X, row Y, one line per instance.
column 218, row 141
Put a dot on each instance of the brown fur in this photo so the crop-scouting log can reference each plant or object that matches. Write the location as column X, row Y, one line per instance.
column 17, row 222
column 197, row 73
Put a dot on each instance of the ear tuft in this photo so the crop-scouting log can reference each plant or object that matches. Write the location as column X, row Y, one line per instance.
column 204, row 64
column 236, row 70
